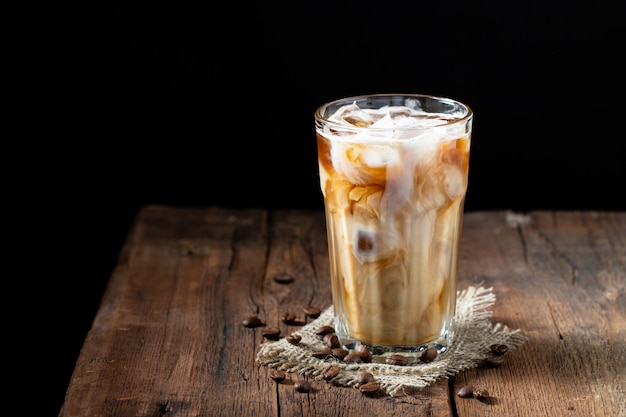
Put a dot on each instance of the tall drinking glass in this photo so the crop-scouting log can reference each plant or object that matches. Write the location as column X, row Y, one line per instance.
column 393, row 172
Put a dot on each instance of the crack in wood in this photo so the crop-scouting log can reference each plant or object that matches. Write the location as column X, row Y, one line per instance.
column 560, row 255
column 556, row 326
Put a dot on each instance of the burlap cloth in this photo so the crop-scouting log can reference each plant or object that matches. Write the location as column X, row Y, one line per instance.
column 474, row 334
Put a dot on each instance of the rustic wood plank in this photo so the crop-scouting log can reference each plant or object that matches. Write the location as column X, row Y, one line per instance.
column 546, row 276
column 168, row 337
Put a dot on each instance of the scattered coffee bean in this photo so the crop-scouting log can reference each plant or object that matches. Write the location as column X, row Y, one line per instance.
column 339, row 352
column 330, row 372
column 469, row 391
column 364, row 353
column 271, row 333
column 365, row 377
column 252, row 321
column 277, row 375
column 294, row 339
column 396, row 359
column 493, row 362
column 331, row 340
column 302, row 385
column 466, row 391
column 369, row 388
column 352, row 357
column 498, row 349
column 312, row 312
column 288, row 318
column 429, row 355
column 321, row 331
column 481, row 394
column 322, row 354
column 283, row 278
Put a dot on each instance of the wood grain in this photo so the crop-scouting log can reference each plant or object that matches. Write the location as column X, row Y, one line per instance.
column 168, row 338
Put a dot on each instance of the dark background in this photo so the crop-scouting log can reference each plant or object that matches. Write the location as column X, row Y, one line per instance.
column 208, row 105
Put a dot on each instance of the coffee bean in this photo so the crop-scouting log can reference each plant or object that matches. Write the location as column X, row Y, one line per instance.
column 294, row 339
column 493, row 362
column 331, row 340
column 288, row 318
column 498, row 349
column 330, row 372
column 481, row 394
column 364, row 377
column 283, row 278
column 352, row 357
column 369, row 388
column 271, row 333
column 466, row 391
column 429, row 355
column 321, row 331
column 302, row 385
column 339, row 353
column 396, row 359
column 277, row 375
column 322, row 354
column 312, row 312
column 364, row 353
column 252, row 321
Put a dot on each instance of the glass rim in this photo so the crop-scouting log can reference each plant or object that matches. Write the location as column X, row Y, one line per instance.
column 469, row 114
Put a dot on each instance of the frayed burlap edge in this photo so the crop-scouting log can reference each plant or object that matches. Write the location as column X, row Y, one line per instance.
column 474, row 335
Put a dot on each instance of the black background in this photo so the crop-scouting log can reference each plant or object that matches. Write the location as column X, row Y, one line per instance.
column 206, row 105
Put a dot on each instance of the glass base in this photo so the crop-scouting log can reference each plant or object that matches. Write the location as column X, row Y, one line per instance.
column 412, row 354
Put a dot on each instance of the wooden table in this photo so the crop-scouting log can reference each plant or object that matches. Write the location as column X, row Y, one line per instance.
column 168, row 338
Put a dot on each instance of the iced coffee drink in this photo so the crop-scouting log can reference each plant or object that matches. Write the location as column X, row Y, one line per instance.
column 393, row 172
